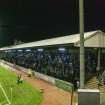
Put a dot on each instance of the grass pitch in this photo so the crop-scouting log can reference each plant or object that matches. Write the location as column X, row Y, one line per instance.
column 23, row 94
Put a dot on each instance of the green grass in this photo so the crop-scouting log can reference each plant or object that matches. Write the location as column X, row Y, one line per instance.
column 23, row 94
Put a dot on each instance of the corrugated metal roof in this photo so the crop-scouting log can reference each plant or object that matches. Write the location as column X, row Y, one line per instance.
column 53, row 41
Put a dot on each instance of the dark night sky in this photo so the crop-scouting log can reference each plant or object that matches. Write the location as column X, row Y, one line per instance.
column 30, row 20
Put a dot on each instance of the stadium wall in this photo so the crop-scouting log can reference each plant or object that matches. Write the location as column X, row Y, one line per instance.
column 54, row 81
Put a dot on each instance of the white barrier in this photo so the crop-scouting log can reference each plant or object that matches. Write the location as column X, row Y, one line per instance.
column 45, row 77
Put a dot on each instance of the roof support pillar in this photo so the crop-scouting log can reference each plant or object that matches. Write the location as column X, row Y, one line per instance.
column 98, row 61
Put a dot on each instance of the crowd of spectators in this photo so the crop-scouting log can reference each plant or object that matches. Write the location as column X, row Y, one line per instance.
column 61, row 63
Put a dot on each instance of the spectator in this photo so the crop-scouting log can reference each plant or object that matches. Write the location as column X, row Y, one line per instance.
column 19, row 79
column 78, row 84
column 29, row 72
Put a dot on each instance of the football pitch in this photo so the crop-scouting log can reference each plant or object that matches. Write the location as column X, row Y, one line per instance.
column 22, row 94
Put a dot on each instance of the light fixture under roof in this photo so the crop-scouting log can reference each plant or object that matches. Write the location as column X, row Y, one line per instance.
column 6, row 51
column 62, row 49
column 40, row 49
column 20, row 50
column 28, row 50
